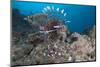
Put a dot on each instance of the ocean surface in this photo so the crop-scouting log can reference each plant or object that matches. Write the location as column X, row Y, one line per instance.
column 78, row 17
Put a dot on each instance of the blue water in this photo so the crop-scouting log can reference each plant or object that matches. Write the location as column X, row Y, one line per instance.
column 81, row 17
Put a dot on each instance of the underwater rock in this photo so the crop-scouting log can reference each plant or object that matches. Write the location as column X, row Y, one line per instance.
column 18, row 23
column 19, row 51
column 82, row 48
column 92, row 32
column 57, row 46
column 37, row 19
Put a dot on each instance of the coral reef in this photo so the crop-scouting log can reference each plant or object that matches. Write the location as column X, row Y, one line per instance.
column 35, row 50
column 54, row 47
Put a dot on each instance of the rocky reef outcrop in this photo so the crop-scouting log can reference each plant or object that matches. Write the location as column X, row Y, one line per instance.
column 35, row 50
column 55, row 47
